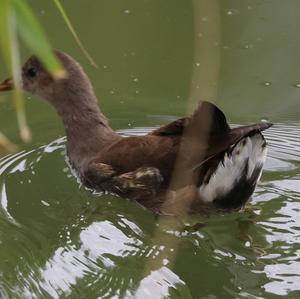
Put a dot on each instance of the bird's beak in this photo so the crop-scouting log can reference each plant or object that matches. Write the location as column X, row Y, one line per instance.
column 7, row 85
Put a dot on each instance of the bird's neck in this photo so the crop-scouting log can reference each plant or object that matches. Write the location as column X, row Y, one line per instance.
column 86, row 128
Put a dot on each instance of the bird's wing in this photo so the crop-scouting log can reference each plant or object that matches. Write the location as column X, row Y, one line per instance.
column 206, row 119
column 207, row 129
column 204, row 134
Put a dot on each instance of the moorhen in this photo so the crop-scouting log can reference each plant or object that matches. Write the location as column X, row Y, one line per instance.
column 215, row 167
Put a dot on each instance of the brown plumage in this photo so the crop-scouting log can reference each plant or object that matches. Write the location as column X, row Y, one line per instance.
column 200, row 147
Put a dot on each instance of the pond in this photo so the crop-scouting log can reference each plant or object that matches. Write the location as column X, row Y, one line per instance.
column 155, row 60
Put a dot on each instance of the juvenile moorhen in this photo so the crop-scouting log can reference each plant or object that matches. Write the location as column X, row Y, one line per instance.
column 218, row 166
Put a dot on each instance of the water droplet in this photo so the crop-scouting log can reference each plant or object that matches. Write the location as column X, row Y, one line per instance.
column 135, row 80
column 45, row 203
column 297, row 85
column 127, row 11
column 232, row 12
column 105, row 67
column 247, row 244
column 197, row 64
column 112, row 92
column 266, row 83
column 248, row 46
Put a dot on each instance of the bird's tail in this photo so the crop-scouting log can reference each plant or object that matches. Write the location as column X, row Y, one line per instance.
column 237, row 172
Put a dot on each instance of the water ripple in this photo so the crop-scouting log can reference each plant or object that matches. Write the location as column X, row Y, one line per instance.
column 60, row 240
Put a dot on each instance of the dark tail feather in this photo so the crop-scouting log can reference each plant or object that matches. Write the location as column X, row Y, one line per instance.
column 227, row 141
column 236, row 134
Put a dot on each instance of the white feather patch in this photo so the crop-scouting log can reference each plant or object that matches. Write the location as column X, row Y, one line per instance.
column 251, row 151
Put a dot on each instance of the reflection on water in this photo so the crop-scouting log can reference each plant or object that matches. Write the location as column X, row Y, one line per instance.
column 59, row 240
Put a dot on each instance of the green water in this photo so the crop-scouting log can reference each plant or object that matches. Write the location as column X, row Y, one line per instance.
column 59, row 240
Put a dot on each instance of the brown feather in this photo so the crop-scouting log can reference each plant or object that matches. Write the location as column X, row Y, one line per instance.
column 160, row 147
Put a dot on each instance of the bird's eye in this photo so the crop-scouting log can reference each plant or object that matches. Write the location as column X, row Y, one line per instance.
column 31, row 72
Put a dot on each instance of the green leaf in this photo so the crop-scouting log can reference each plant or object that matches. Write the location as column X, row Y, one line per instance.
column 75, row 35
column 5, row 11
column 25, row 132
column 33, row 35
column 9, row 46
